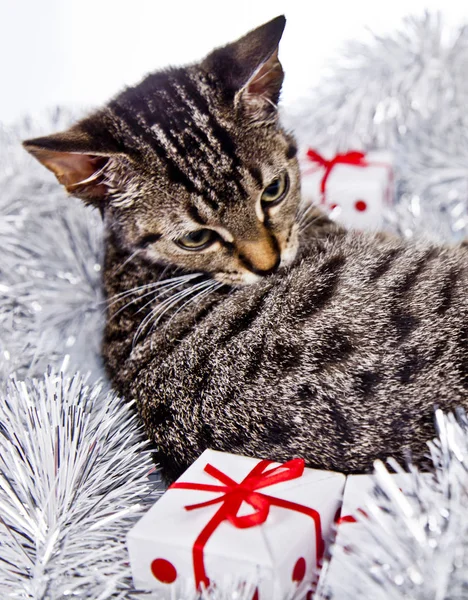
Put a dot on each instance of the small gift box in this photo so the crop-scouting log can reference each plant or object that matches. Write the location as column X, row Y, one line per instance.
column 239, row 518
column 354, row 187
column 351, row 534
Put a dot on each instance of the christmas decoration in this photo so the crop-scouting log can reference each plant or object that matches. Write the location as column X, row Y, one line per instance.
column 407, row 93
column 355, row 188
column 415, row 531
column 351, row 535
column 259, row 520
column 73, row 479
column 50, row 291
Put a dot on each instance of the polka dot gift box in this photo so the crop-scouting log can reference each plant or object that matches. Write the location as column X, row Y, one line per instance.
column 233, row 518
column 355, row 188
column 352, row 535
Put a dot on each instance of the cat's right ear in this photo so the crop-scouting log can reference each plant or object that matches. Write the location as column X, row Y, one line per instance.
column 250, row 71
column 78, row 162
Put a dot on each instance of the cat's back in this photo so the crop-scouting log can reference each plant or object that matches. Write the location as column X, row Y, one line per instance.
column 360, row 287
column 355, row 340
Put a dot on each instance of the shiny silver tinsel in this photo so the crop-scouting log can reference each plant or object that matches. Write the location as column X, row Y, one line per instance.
column 73, row 480
column 376, row 92
column 415, row 542
column 50, row 291
column 406, row 92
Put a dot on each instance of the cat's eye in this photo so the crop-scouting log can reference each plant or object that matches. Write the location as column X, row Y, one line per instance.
column 197, row 240
column 276, row 190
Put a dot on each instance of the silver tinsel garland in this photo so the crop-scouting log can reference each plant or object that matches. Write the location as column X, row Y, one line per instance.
column 50, row 292
column 405, row 92
column 73, row 479
column 415, row 542
column 73, row 476
column 379, row 91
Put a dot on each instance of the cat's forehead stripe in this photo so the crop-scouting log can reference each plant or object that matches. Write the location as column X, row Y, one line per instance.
column 196, row 96
column 146, row 138
column 177, row 123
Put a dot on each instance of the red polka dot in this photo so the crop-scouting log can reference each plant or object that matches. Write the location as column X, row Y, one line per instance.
column 333, row 206
column 310, row 595
column 299, row 570
column 360, row 205
column 163, row 570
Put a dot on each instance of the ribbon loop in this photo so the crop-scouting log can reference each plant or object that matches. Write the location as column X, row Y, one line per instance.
column 261, row 508
column 355, row 158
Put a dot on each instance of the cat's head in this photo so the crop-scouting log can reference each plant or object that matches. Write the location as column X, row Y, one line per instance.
column 191, row 167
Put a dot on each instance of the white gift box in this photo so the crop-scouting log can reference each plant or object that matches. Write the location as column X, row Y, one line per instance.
column 172, row 546
column 356, row 195
column 350, row 533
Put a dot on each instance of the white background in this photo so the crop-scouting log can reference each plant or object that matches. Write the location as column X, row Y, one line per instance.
column 81, row 52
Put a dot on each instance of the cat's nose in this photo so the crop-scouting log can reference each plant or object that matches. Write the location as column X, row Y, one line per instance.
column 264, row 272
column 261, row 257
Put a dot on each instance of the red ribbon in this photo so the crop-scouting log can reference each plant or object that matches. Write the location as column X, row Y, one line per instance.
column 233, row 494
column 346, row 519
column 350, row 518
column 357, row 159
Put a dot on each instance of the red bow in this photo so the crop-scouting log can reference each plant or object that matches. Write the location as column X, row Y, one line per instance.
column 357, row 159
column 234, row 494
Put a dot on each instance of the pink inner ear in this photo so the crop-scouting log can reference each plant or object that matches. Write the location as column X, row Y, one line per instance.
column 74, row 170
column 266, row 78
column 70, row 168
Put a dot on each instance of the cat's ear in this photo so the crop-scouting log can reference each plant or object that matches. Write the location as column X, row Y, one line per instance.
column 77, row 159
column 251, row 71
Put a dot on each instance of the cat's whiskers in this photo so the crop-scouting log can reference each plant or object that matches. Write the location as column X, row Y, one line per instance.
column 307, row 224
column 153, row 314
column 155, row 284
column 168, row 304
column 122, row 295
column 160, row 292
column 154, row 298
column 303, row 214
column 154, row 295
column 215, row 285
column 304, row 208
column 156, row 314
column 306, row 217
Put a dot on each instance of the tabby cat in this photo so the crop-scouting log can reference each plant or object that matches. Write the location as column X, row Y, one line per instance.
column 237, row 319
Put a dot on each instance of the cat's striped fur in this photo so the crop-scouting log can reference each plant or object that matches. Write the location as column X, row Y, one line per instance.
column 340, row 359
column 342, row 345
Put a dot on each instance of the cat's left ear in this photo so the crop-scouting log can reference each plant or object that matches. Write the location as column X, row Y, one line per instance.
column 251, row 71
column 77, row 159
